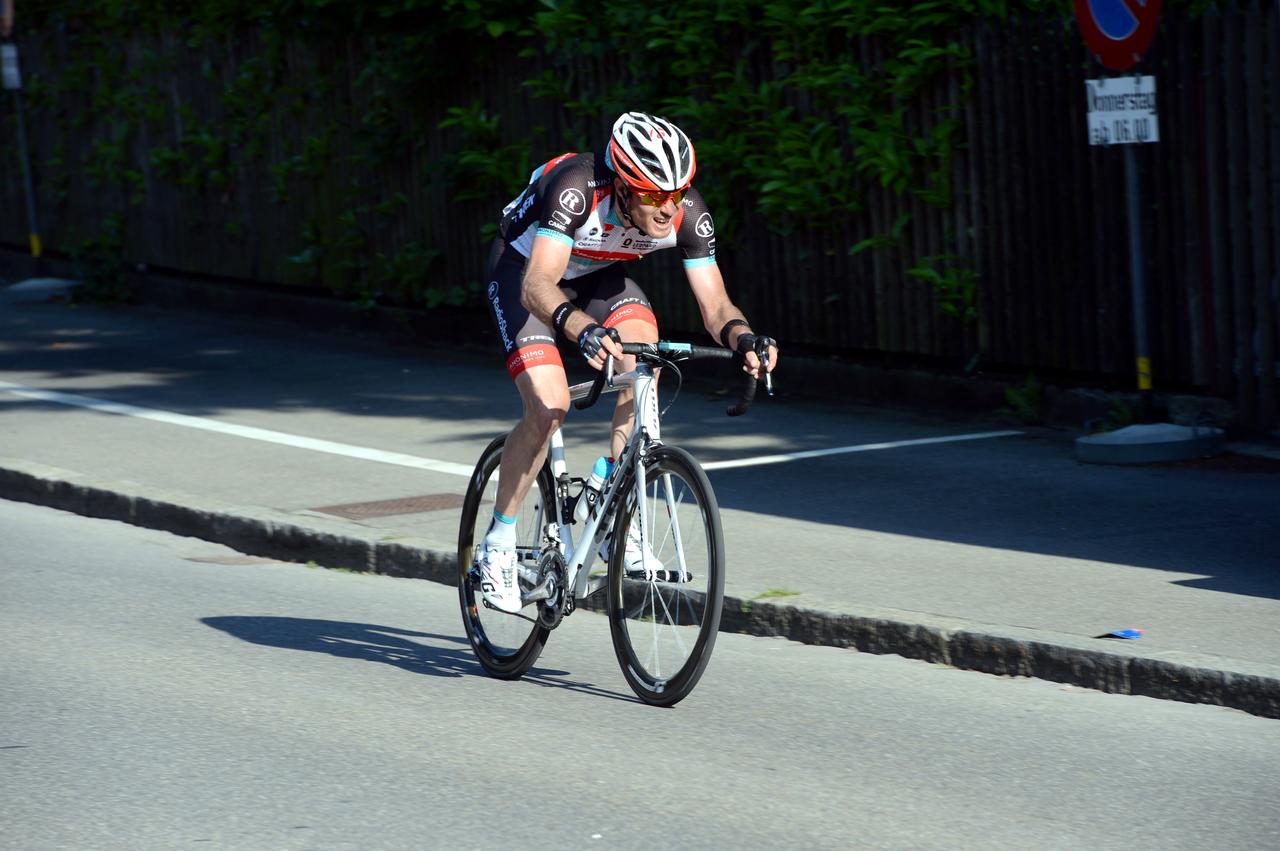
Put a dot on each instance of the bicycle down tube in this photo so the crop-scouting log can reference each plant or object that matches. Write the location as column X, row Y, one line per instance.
column 579, row 551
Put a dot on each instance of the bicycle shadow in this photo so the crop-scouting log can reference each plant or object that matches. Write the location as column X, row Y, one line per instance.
column 426, row 653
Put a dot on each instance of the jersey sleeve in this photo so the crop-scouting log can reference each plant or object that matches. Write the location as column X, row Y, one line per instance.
column 697, row 234
column 567, row 199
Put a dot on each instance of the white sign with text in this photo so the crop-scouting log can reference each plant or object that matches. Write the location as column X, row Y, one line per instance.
column 1122, row 110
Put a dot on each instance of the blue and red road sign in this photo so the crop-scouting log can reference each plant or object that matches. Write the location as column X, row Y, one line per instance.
column 1118, row 31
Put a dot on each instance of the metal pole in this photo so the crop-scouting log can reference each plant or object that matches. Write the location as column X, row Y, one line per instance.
column 13, row 80
column 1137, row 275
column 33, row 229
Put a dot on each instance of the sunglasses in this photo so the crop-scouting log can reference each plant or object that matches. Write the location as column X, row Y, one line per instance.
column 657, row 199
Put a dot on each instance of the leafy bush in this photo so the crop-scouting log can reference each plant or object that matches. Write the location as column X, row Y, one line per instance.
column 800, row 108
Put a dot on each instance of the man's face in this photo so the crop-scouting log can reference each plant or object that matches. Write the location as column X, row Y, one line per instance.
column 654, row 221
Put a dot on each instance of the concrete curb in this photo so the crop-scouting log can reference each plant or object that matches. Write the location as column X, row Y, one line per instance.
column 1170, row 675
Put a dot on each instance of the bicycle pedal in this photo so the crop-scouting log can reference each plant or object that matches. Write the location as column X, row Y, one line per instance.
column 674, row 576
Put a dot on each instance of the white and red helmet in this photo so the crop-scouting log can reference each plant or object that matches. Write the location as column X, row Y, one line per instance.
column 651, row 154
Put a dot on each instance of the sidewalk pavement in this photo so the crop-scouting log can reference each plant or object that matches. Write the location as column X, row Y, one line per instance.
column 997, row 553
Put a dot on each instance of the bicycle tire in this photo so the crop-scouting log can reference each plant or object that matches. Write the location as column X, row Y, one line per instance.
column 664, row 632
column 506, row 645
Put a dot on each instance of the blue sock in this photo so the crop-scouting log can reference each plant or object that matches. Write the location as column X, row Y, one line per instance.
column 502, row 531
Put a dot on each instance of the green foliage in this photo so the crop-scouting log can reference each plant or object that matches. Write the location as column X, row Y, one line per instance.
column 800, row 110
column 1026, row 402
column 774, row 593
column 955, row 285
column 1120, row 414
column 484, row 168
column 102, row 265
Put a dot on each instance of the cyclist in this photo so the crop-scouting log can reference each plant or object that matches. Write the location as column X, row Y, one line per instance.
column 557, row 267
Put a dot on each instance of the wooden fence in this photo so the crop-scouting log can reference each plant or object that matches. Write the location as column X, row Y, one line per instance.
column 1039, row 215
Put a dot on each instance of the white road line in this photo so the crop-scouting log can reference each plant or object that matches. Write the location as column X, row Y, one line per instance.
column 366, row 454
column 329, row 446
column 841, row 450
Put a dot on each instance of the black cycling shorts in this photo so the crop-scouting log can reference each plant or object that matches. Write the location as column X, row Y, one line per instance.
column 607, row 296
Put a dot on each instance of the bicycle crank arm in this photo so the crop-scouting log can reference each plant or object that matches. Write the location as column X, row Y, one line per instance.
column 542, row 591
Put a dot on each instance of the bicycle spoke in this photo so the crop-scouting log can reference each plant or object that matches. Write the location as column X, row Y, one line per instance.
column 663, row 630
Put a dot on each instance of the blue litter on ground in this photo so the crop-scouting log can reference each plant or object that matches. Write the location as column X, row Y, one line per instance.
column 1121, row 633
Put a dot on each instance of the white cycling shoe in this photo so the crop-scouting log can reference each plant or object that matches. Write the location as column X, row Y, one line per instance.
column 639, row 560
column 499, row 578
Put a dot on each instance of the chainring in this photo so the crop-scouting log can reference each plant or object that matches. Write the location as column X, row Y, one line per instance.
column 558, row 603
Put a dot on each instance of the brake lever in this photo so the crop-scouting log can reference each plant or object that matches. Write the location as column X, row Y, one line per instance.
column 748, row 396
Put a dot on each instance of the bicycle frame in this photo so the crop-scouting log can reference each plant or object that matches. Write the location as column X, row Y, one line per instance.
column 645, row 432
column 664, row 605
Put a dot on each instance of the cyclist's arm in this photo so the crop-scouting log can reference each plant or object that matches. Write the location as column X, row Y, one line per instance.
column 540, row 288
column 713, row 300
column 718, row 310
column 541, row 295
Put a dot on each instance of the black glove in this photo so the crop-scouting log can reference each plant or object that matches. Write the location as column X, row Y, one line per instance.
column 591, row 340
column 757, row 343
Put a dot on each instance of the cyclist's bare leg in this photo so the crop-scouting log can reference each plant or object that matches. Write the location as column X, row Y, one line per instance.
column 632, row 331
column 544, row 390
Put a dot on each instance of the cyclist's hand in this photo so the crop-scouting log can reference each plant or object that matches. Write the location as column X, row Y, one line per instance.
column 598, row 342
column 754, row 348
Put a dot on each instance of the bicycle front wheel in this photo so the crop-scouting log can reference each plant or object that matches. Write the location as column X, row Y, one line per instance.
column 666, row 578
column 507, row 645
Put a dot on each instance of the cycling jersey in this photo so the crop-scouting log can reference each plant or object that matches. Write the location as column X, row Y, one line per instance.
column 570, row 199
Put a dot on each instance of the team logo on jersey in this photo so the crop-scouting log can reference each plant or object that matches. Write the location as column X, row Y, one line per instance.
column 573, row 201
column 704, row 227
column 560, row 219
column 524, row 208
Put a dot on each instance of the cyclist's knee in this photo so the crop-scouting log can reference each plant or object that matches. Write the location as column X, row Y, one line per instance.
column 546, row 399
column 545, row 417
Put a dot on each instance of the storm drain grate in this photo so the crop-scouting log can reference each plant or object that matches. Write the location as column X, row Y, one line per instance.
column 392, row 507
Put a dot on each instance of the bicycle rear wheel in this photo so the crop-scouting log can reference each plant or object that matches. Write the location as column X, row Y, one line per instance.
column 507, row 645
column 664, row 625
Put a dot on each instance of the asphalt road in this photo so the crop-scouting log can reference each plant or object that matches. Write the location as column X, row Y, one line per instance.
column 158, row 694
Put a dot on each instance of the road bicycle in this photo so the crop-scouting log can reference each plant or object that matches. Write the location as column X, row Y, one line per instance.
column 663, row 618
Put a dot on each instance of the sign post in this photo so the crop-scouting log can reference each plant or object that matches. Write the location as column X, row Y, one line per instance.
column 1122, row 111
column 11, row 76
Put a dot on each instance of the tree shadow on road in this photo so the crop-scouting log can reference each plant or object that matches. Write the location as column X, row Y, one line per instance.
column 419, row 652
column 1212, row 520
